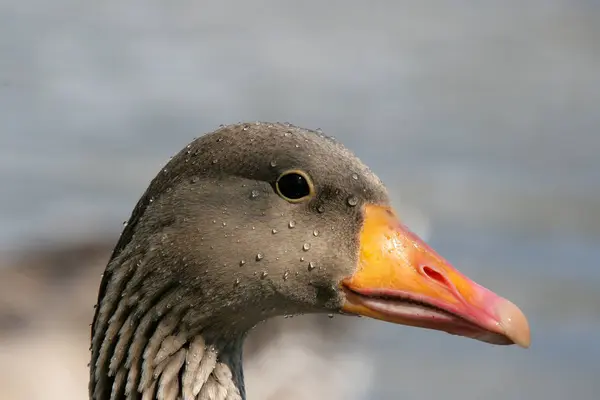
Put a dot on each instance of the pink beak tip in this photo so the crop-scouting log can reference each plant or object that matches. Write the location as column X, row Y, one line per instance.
column 513, row 323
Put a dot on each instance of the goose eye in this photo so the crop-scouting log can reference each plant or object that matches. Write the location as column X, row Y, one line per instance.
column 294, row 186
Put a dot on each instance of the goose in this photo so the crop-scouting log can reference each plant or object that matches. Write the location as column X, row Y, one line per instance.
column 254, row 221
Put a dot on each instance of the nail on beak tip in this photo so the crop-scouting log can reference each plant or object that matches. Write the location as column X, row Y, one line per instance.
column 514, row 323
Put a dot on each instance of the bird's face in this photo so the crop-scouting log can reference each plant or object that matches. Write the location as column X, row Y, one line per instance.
column 306, row 227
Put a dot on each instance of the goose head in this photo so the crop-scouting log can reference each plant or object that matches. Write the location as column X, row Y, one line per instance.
column 260, row 220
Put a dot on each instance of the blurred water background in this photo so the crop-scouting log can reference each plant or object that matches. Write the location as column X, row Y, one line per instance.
column 482, row 118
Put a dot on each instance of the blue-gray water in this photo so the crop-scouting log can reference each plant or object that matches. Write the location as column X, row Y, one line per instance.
column 483, row 117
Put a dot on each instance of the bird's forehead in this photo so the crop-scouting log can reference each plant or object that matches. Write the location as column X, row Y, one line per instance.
column 262, row 151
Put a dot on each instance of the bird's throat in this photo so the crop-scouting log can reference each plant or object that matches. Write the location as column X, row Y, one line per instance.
column 191, row 370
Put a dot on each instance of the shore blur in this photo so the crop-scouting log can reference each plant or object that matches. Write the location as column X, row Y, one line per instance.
column 482, row 119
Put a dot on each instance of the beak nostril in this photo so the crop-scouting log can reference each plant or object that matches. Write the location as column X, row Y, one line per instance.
column 436, row 276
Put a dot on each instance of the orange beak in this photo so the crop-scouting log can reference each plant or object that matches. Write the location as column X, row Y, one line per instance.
column 400, row 279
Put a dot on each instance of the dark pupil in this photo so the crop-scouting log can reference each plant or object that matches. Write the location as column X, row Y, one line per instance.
column 293, row 186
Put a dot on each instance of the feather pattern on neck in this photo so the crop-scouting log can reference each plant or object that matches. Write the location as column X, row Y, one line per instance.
column 148, row 343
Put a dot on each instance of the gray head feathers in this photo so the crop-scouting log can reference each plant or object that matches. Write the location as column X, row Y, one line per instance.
column 211, row 249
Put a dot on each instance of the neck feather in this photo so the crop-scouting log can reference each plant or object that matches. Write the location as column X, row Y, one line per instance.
column 149, row 343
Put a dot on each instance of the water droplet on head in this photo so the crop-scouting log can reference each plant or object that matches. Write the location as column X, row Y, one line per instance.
column 291, row 224
column 352, row 201
column 254, row 194
column 237, row 282
column 306, row 246
column 259, row 256
column 286, row 275
column 315, row 232
column 355, row 177
column 311, row 266
column 321, row 209
column 214, row 161
column 220, row 139
column 273, row 231
column 264, row 274
column 224, row 224
column 330, row 316
column 242, row 262
column 195, row 179
column 273, row 163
